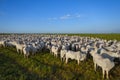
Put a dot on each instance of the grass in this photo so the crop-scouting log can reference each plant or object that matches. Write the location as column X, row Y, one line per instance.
column 102, row 36
column 44, row 66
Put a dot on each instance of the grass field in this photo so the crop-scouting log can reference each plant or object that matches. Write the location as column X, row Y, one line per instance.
column 44, row 66
column 102, row 36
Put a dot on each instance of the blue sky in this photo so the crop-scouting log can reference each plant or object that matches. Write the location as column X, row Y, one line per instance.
column 60, row 16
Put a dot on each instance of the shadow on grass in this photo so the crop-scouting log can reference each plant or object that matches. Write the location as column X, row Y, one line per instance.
column 56, row 67
column 20, row 72
column 11, row 70
column 47, row 67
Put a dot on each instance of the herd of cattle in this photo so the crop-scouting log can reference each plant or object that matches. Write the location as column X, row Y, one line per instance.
column 67, row 47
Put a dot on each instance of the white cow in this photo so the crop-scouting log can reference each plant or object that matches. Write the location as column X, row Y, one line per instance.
column 62, row 54
column 105, row 63
column 26, row 51
column 112, row 54
column 19, row 47
column 74, row 55
column 2, row 43
column 54, row 50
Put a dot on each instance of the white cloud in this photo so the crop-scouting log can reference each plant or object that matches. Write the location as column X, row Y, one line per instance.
column 52, row 18
column 65, row 16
